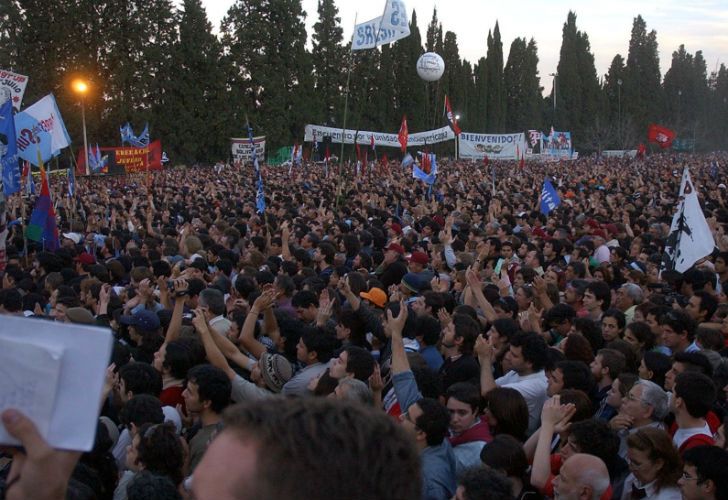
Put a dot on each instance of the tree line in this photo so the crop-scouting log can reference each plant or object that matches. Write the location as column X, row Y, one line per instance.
column 149, row 61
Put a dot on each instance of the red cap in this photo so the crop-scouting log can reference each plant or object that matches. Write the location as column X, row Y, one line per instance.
column 396, row 248
column 439, row 219
column 397, row 228
column 85, row 258
column 419, row 258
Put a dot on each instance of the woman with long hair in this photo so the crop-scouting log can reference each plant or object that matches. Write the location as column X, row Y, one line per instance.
column 654, row 465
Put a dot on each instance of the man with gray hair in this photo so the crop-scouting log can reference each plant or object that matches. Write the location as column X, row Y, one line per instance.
column 212, row 301
column 629, row 296
column 581, row 477
column 352, row 389
column 645, row 405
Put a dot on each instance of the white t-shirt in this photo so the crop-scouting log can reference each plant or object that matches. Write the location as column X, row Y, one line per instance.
column 533, row 389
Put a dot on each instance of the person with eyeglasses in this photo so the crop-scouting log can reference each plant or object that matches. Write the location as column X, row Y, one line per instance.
column 644, row 407
column 654, row 465
column 705, row 474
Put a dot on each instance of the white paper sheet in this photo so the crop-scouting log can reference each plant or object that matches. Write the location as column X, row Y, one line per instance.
column 28, row 380
column 83, row 352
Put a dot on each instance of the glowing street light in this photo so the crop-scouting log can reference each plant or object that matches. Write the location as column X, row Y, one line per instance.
column 81, row 88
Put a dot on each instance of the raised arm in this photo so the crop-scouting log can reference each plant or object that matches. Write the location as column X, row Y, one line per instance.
column 485, row 352
column 476, row 288
column 247, row 333
column 214, row 356
column 175, row 324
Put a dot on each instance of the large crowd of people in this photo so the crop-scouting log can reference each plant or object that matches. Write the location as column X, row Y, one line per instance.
column 366, row 336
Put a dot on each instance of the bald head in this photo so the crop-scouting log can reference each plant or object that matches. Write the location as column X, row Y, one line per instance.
column 582, row 477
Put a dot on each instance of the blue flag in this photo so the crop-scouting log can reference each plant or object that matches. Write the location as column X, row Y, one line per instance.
column 420, row 174
column 9, row 150
column 126, row 134
column 549, row 198
column 260, row 197
column 40, row 127
column 142, row 140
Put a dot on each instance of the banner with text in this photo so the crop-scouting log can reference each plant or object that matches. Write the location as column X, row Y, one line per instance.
column 127, row 160
column 12, row 86
column 242, row 150
column 494, row 146
column 380, row 138
column 557, row 145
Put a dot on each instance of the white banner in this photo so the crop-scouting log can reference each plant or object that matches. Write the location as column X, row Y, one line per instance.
column 619, row 153
column 380, row 138
column 12, row 86
column 494, row 146
column 388, row 28
column 242, row 150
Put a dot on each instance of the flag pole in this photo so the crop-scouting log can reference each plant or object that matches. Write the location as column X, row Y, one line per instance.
column 346, row 109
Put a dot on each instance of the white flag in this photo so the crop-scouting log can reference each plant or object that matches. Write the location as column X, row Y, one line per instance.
column 690, row 237
column 388, row 28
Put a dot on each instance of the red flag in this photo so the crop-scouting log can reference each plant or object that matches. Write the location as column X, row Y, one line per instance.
column 385, row 160
column 641, row 150
column 371, row 142
column 451, row 117
column 426, row 165
column 403, row 134
column 328, row 154
column 486, row 161
column 358, row 152
column 660, row 135
column 522, row 163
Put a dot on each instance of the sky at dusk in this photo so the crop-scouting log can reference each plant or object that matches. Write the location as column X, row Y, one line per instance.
column 699, row 24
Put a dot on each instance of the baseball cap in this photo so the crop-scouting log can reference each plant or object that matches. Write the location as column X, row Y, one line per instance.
column 376, row 296
column 412, row 282
column 75, row 237
column 394, row 247
column 397, row 228
column 145, row 320
column 85, row 258
column 419, row 258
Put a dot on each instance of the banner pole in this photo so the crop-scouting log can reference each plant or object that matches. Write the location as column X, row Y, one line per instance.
column 346, row 110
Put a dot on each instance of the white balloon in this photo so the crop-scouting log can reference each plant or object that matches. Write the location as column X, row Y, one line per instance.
column 430, row 67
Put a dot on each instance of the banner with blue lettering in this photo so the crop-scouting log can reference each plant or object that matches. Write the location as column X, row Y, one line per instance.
column 557, row 145
column 40, row 127
column 494, row 146
column 388, row 28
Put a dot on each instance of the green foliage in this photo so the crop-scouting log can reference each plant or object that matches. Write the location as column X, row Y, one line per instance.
column 160, row 61
column 495, row 110
column 522, row 86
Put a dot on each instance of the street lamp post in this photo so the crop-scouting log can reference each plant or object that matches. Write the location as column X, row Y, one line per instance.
column 81, row 88
column 457, row 141
column 555, row 75
column 619, row 110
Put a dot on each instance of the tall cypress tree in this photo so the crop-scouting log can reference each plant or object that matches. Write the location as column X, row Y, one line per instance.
column 267, row 42
column 642, row 93
column 478, row 112
column 522, row 86
column 496, row 102
column 686, row 90
column 578, row 91
column 411, row 91
column 197, row 92
column 718, row 124
column 329, row 62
